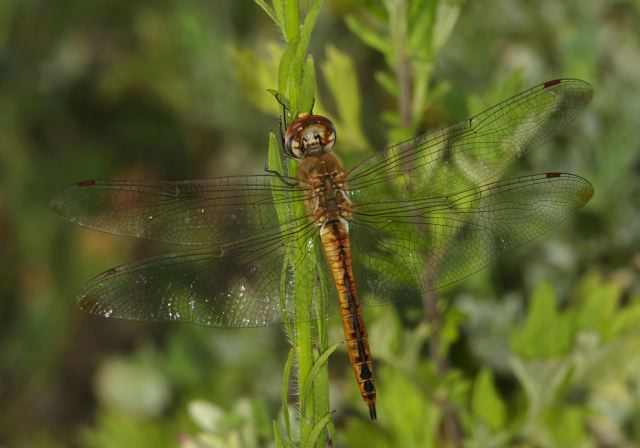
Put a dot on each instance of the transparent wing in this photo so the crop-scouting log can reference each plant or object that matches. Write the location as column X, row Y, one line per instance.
column 403, row 247
column 186, row 212
column 245, row 284
column 472, row 151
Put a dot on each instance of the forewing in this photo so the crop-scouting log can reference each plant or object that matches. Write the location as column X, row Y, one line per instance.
column 184, row 212
column 472, row 151
column 402, row 248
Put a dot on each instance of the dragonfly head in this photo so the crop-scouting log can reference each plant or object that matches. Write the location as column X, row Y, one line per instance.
column 309, row 135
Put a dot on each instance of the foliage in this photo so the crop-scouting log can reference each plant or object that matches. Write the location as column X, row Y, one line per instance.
column 541, row 349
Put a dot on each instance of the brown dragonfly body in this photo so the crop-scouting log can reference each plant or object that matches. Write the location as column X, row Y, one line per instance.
column 420, row 215
column 329, row 207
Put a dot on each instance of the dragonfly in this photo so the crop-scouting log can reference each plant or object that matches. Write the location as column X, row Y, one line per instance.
column 415, row 217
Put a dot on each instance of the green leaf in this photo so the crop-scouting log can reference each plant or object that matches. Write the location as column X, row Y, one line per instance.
column 284, row 72
column 421, row 34
column 317, row 430
column 269, row 10
column 388, row 82
column 541, row 381
column 286, row 374
column 275, row 164
column 598, row 304
column 278, row 7
column 626, row 319
column 446, row 17
column 305, row 390
column 301, row 44
column 257, row 75
column 291, row 17
column 308, row 87
column 369, row 36
column 504, row 89
column 486, row 403
column 341, row 79
column 567, row 425
column 545, row 333
column 115, row 429
column 279, row 440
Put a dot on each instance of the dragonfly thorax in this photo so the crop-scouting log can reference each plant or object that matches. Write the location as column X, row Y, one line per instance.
column 325, row 194
column 309, row 135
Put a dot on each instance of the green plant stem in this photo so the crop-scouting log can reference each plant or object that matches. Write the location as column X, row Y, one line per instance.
column 398, row 24
column 404, row 69
column 303, row 341
column 296, row 87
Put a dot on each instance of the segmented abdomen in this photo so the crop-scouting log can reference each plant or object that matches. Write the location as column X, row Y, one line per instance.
column 335, row 241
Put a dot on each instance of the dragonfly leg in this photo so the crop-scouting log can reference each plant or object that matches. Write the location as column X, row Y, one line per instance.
column 312, row 106
column 279, row 176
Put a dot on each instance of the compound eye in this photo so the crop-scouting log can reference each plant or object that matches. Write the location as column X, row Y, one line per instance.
column 294, row 146
column 329, row 137
column 323, row 131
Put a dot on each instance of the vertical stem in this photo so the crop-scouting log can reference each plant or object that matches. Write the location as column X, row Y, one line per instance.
column 303, row 277
column 404, row 70
column 433, row 317
column 301, row 260
column 403, row 65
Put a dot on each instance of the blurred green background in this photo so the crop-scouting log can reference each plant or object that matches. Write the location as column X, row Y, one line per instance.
column 543, row 346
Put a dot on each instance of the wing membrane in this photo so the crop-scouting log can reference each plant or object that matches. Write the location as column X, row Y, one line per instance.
column 240, row 286
column 402, row 248
column 474, row 150
column 184, row 212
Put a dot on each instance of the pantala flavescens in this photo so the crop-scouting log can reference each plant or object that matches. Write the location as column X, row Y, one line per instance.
column 420, row 215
